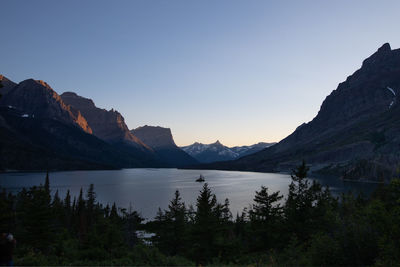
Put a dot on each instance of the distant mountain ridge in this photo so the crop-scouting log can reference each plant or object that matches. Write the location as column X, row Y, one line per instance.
column 161, row 141
column 355, row 134
column 207, row 153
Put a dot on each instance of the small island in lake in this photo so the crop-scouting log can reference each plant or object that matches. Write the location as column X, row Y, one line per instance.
column 200, row 179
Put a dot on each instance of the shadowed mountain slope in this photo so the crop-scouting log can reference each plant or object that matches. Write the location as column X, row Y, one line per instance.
column 40, row 130
column 355, row 134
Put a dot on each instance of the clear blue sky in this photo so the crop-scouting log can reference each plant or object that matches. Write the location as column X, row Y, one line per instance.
column 237, row 71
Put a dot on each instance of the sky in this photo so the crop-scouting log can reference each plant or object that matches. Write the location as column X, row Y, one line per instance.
column 240, row 72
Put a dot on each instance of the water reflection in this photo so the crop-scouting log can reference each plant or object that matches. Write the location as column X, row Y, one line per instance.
column 148, row 189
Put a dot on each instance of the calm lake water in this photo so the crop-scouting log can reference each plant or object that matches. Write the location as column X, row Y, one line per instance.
column 148, row 189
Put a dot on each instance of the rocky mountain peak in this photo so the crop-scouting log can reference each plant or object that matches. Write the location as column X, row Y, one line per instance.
column 3, row 78
column 7, row 85
column 385, row 47
column 383, row 52
column 38, row 99
column 76, row 100
column 155, row 136
column 218, row 143
column 362, row 95
column 43, row 83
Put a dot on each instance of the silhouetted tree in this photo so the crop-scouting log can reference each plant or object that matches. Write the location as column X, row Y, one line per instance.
column 266, row 219
column 205, row 229
column 172, row 228
column 306, row 205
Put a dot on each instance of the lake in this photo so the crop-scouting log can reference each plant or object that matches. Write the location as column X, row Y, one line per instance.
column 148, row 189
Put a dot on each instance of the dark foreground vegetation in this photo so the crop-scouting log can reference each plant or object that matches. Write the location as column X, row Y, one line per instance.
column 308, row 227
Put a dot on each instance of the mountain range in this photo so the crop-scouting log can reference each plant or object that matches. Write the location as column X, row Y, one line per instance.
column 206, row 153
column 40, row 129
column 356, row 133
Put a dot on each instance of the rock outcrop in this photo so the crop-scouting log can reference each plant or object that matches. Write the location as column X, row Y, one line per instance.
column 38, row 99
column 108, row 125
column 155, row 136
column 162, row 142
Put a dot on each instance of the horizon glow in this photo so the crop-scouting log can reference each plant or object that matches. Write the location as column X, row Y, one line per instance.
column 240, row 72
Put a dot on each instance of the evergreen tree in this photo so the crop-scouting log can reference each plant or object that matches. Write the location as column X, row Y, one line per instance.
column 58, row 219
column 266, row 207
column 132, row 221
column 266, row 218
column 91, row 202
column 174, row 226
column 306, row 205
column 67, row 200
column 91, row 198
column 81, row 217
column 68, row 210
column 205, row 229
column 114, row 213
column 226, row 213
column 37, row 217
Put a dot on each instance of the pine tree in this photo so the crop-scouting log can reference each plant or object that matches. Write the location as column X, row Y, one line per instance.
column 205, row 229
column 57, row 208
column 36, row 214
column 226, row 213
column 265, row 217
column 132, row 220
column 266, row 207
column 68, row 210
column 114, row 213
column 67, row 201
column 306, row 204
column 91, row 197
column 81, row 217
column 91, row 202
column 175, row 225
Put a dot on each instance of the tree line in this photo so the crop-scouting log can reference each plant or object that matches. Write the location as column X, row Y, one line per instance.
column 307, row 227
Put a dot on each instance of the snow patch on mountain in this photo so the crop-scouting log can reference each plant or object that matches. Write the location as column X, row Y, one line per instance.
column 394, row 96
